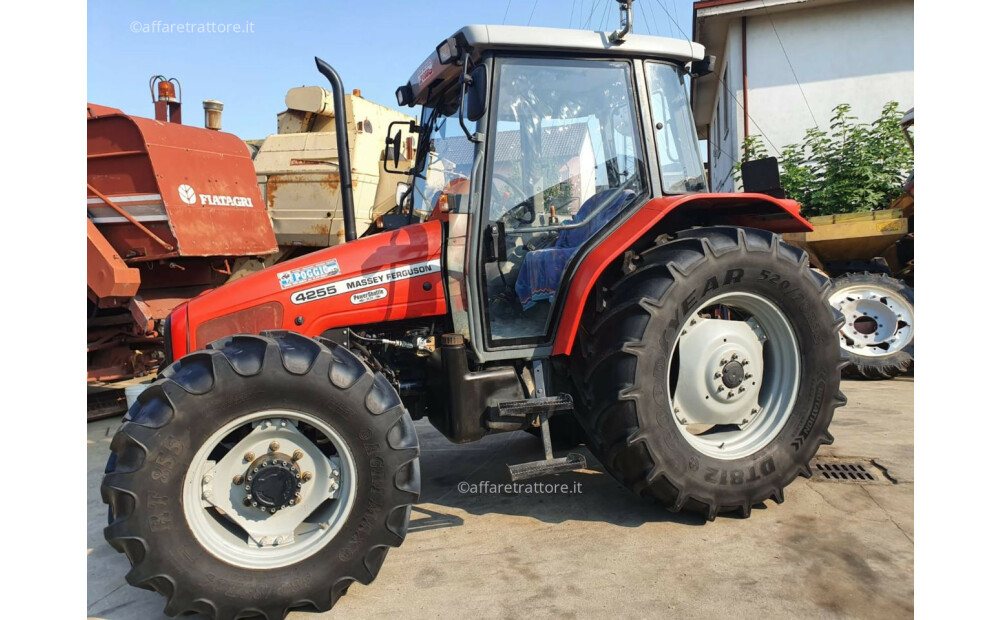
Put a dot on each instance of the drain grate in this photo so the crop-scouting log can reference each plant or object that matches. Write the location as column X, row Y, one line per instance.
column 843, row 470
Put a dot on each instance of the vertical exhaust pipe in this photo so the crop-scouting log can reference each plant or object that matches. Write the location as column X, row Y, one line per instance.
column 343, row 154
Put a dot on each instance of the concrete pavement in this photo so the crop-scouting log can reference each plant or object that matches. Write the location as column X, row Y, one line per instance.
column 832, row 550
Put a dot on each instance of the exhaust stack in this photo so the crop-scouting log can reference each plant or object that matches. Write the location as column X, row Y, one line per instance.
column 343, row 153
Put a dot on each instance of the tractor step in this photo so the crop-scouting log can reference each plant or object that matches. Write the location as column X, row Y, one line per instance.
column 515, row 415
column 536, row 411
column 534, row 469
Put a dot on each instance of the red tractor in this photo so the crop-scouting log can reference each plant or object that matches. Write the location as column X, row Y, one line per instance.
column 556, row 256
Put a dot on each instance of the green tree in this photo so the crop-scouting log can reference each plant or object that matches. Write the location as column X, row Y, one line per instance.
column 851, row 167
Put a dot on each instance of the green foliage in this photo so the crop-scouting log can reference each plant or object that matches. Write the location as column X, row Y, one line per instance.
column 849, row 168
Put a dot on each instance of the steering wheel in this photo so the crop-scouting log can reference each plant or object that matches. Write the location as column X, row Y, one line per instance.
column 523, row 210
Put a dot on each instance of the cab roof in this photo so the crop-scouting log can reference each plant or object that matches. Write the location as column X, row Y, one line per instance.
column 563, row 39
column 483, row 38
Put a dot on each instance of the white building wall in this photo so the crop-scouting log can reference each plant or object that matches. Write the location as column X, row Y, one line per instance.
column 859, row 53
column 724, row 137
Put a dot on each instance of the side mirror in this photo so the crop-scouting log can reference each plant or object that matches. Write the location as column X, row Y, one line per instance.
column 396, row 141
column 466, row 96
column 392, row 145
column 476, row 105
column 703, row 67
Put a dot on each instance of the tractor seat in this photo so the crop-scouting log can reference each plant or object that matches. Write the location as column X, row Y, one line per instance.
column 542, row 269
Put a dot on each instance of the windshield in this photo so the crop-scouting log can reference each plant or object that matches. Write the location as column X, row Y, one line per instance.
column 445, row 160
column 681, row 170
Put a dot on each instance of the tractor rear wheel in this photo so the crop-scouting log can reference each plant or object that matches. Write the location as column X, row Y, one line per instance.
column 264, row 474
column 709, row 372
column 877, row 334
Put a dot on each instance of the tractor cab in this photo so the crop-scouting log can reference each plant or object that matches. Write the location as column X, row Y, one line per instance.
column 533, row 144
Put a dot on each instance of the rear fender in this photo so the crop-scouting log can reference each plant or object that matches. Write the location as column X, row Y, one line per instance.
column 670, row 214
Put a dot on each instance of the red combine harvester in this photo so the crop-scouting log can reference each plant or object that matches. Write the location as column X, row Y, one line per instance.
column 169, row 208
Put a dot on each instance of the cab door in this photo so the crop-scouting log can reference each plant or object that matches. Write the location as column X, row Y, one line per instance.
column 564, row 164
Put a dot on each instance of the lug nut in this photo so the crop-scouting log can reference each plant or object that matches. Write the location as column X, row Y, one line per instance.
column 246, row 500
column 733, row 357
column 721, row 389
column 730, row 395
column 237, row 479
column 274, row 446
column 718, row 375
column 745, row 362
column 249, row 456
column 307, row 476
column 297, row 455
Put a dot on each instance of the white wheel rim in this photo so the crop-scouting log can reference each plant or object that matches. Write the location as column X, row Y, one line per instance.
column 707, row 404
column 246, row 536
column 878, row 321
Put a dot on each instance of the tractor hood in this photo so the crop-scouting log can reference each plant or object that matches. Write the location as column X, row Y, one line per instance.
column 386, row 277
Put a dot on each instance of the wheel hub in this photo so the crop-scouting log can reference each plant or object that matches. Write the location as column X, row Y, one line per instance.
column 272, row 482
column 878, row 321
column 869, row 322
column 732, row 374
column 718, row 380
column 274, row 502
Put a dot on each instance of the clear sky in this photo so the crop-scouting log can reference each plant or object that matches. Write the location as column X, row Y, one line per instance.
column 374, row 44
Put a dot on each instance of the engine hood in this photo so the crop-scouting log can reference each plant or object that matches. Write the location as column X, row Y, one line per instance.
column 386, row 277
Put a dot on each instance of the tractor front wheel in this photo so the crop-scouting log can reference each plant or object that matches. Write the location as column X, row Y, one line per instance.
column 710, row 370
column 264, row 474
